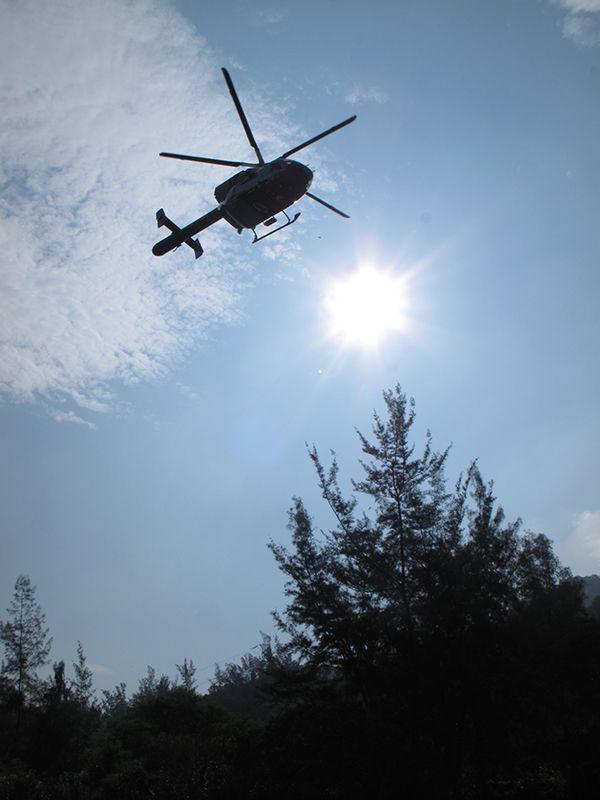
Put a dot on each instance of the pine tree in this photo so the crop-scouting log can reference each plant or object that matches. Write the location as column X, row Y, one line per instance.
column 355, row 590
column 25, row 638
column 187, row 672
column 57, row 690
column 427, row 633
column 115, row 703
column 150, row 685
column 82, row 686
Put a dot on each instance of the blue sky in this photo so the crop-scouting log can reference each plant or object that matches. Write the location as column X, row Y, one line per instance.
column 155, row 411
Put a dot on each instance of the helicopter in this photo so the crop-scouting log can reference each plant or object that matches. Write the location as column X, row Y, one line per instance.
column 253, row 196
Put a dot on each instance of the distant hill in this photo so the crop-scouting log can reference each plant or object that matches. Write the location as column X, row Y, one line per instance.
column 591, row 587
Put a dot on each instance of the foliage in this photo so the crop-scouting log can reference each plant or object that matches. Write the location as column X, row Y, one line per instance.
column 82, row 685
column 187, row 673
column 430, row 649
column 25, row 638
column 172, row 743
column 114, row 703
column 444, row 633
column 150, row 685
column 240, row 688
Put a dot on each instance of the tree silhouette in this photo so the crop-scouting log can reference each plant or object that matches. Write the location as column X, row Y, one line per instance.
column 25, row 638
column 431, row 649
column 187, row 672
column 430, row 637
column 26, row 644
column 114, row 703
column 82, row 686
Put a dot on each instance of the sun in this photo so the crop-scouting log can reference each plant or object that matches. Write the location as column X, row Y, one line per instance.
column 366, row 306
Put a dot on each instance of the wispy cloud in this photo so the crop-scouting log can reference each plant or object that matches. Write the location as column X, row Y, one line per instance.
column 101, row 669
column 267, row 12
column 70, row 416
column 271, row 16
column 582, row 24
column 187, row 391
column 90, row 95
column 580, row 5
column 583, row 29
column 359, row 95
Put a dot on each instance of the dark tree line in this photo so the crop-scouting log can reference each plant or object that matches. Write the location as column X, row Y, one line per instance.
column 428, row 649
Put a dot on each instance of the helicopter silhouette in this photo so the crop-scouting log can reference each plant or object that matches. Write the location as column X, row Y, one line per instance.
column 252, row 196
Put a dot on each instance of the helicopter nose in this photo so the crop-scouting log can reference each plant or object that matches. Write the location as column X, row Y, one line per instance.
column 308, row 175
column 304, row 174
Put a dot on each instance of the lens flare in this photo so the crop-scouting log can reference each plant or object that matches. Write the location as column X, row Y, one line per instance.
column 366, row 306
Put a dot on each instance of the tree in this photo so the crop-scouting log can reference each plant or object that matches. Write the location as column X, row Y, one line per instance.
column 61, row 728
column 238, row 688
column 427, row 625
column 187, row 673
column 150, row 685
column 171, row 743
column 114, row 703
column 57, row 690
column 356, row 589
column 82, row 686
column 25, row 638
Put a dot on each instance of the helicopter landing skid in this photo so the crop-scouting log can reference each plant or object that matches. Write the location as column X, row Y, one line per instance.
column 290, row 221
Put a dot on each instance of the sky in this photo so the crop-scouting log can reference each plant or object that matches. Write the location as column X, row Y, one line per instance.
column 154, row 413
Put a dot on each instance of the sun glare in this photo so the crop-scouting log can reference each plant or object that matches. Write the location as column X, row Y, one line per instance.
column 366, row 306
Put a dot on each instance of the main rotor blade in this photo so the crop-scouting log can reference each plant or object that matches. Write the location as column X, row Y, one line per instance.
column 209, row 160
column 327, row 205
column 320, row 136
column 242, row 116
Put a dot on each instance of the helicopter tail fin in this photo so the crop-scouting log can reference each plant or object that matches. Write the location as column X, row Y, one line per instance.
column 162, row 219
column 195, row 245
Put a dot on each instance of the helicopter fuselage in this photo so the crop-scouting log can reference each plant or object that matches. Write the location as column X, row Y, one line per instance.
column 252, row 196
column 256, row 194
column 245, row 200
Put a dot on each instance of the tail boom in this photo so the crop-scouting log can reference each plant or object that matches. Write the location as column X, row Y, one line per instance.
column 183, row 235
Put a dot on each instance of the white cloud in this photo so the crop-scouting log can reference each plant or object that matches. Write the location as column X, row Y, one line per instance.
column 366, row 94
column 581, row 549
column 580, row 5
column 69, row 416
column 187, row 391
column 90, row 94
column 583, row 29
column 582, row 23
column 271, row 16
column 101, row 669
